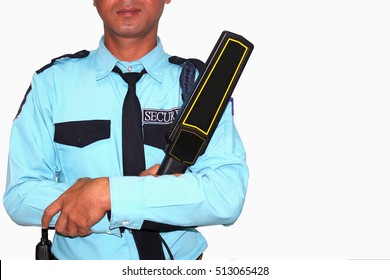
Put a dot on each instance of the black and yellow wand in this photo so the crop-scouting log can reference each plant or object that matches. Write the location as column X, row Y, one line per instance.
column 200, row 115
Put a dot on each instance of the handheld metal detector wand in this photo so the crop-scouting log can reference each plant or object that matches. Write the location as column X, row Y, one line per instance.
column 200, row 115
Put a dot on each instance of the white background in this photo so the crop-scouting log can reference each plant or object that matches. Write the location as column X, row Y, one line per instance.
column 312, row 107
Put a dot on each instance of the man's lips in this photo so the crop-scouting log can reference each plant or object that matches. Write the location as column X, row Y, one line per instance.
column 128, row 12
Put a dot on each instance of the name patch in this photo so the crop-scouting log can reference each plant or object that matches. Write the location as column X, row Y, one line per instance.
column 159, row 116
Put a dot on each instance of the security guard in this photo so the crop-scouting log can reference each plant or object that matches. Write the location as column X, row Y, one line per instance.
column 69, row 129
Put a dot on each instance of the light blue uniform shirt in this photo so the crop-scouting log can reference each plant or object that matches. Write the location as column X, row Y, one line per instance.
column 42, row 165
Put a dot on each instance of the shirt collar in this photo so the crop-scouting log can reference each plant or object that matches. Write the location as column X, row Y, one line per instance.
column 153, row 62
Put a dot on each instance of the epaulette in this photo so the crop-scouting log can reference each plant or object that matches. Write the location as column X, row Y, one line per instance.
column 187, row 76
column 79, row 54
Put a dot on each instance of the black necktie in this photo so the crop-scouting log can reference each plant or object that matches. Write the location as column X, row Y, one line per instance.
column 148, row 243
column 132, row 141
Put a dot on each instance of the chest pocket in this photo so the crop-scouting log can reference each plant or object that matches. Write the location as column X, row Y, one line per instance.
column 155, row 135
column 81, row 133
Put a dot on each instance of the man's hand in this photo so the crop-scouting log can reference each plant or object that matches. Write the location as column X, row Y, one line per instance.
column 81, row 206
column 153, row 171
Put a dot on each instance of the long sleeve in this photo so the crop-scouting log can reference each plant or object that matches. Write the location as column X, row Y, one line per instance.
column 210, row 192
column 32, row 166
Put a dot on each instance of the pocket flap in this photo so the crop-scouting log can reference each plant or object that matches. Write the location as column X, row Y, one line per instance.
column 81, row 133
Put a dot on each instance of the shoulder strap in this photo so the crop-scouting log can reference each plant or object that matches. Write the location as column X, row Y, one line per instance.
column 187, row 76
column 79, row 54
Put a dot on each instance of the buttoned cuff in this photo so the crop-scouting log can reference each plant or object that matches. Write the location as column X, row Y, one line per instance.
column 127, row 202
column 103, row 227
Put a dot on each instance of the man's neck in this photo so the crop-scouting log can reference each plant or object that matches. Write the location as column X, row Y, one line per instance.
column 129, row 49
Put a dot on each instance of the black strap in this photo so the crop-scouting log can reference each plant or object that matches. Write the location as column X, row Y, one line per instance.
column 200, row 65
column 187, row 76
column 79, row 54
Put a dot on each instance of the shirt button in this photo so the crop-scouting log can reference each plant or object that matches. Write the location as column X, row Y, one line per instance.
column 80, row 140
column 129, row 69
column 125, row 223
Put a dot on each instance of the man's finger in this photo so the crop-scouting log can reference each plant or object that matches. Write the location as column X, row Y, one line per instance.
column 150, row 171
column 62, row 226
column 84, row 232
column 50, row 212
